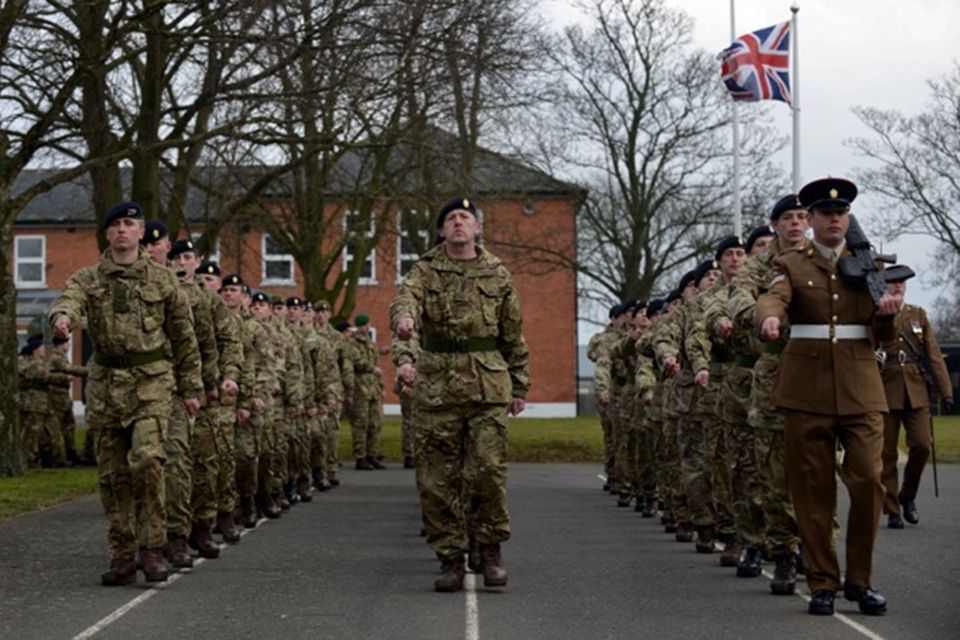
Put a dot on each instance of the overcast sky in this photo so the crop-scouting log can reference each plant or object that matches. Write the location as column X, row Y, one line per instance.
column 877, row 53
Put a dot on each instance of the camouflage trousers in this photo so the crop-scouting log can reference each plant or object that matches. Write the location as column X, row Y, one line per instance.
column 178, row 469
column 743, row 451
column 41, row 438
column 248, row 435
column 298, row 448
column 464, row 476
column 130, row 479
column 366, row 422
column 275, row 453
column 226, row 421
column 206, row 466
column 606, row 424
column 671, row 475
column 614, row 411
column 333, row 443
column 625, row 442
column 650, row 426
column 68, row 428
column 408, row 426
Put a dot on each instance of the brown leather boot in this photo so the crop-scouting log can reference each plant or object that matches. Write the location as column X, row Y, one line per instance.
column 267, row 507
column 684, row 532
column 248, row 511
column 474, row 559
column 203, row 542
column 494, row 575
column 451, row 575
column 705, row 539
column 176, row 552
column 303, row 489
column 227, row 529
column 122, row 571
column 154, row 568
column 320, row 482
column 732, row 550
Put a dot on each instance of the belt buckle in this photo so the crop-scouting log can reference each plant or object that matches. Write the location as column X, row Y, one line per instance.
column 833, row 331
column 460, row 345
column 902, row 357
column 123, row 361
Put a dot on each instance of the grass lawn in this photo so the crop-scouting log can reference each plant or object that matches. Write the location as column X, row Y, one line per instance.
column 531, row 440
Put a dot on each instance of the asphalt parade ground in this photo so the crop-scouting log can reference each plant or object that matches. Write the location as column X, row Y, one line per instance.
column 351, row 564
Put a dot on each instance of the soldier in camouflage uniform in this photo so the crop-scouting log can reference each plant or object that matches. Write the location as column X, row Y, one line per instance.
column 624, row 357
column 790, row 221
column 267, row 466
column 598, row 349
column 348, row 382
column 290, row 411
column 329, row 393
column 651, row 425
column 472, row 372
column 38, row 425
column 212, row 445
column 140, row 323
column 607, row 386
column 366, row 406
column 61, row 404
column 297, row 487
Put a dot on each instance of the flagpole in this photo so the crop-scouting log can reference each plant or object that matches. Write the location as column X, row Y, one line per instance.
column 795, row 93
column 737, row 216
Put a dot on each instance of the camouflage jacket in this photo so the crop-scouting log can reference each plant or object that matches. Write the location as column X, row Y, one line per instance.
column 348, row 377
column 329, row 388
column 603, row 357
column 34, row 385
column 258, row 374
column 449, row 301
column 204, row 330
column 366, row 359
column 60, row 381
column 308, row 354
column 134, row 309
column 291, row 382
column 279, row 356
column 227, row 334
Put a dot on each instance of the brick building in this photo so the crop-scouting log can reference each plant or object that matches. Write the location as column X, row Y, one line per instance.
column 55, row 236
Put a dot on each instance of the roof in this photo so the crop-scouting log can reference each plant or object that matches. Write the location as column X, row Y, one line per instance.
column 493, row 175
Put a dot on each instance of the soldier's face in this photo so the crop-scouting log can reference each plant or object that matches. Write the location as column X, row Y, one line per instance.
column 323, row 317
column 640, row 320
column 158, row 250
column 708, row 280
column 760, row 245
column 188, row 262
column 731, row 260
column 673, row 304
column 280, row 311
column 829, row 226
column 232, row 295
column 460, row 227
column 792, row 226
column 211, row 281
column 262, row 310
column 897, row 289
column 363, row 329
column 689, row 292
column 654, row 320
column 124, row 233
column 40, row 352
column 294, row 314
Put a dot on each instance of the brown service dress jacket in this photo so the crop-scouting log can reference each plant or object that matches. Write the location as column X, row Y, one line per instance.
column 902, row 377
column 827, row 377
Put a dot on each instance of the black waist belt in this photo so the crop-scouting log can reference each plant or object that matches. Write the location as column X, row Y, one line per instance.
column 773, row 348
column 130, row 360
column 747, row 362
column 722, row 357
column 458, row 345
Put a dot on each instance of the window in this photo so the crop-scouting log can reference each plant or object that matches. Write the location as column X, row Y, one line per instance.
column 354, row 228
column 277, row 265
column 30, row 262
column 407, row 254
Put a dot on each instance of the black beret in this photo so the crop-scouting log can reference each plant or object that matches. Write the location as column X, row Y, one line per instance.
column 123, row 210
column 28, row 349
column 898, row 273
column 656, row 306
column 674, row 295
column 702, row 268
column 615, row 310
column 308, row 305
column 453, row 205
column 321, row 305
column 730, row 242
column 57, row 340
column 785, row 203
column 686, row 280
column 342, row 326
column 828, row 193
column 36, row 338
column 233, row 280
column 260, row 296
column 209, row 268
column 638, row 306
column 153, row 231
column 294, row 301
column 759, row 232
column 181, row 246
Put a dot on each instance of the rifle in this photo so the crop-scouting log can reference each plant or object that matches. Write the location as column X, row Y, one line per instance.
column 932, row 393
column 861, row 271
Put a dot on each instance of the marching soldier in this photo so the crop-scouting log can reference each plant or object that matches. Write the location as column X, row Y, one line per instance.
column 366, row 407
column 61, row 404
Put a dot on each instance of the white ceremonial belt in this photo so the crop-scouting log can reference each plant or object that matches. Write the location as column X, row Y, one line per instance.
column 830, row 331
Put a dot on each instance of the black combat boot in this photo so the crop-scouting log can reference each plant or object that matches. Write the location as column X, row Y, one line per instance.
column 177, row 553
column 363, row 464
column 732, row 550
column 784, row 581
column 375, row 462
column 705, row 539
column 228, row 530
column 750, row 565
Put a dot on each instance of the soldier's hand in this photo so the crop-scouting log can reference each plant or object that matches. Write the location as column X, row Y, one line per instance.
column 770, row 329
column 517, row 406
column 889, row 305
column 603, row 399
column 670, row 366
column 243, row 415
column 277, row 389
column 405, row 328
column 406, row 390
column 637, row 333
column 648, row 398
column 257, row 405
column 377, row 371
column 407, row 373
column 948, row 405
column 61, row 327
column 702, row 379
column 212, row 395
column 229, row 387
column 311, row 412
column 723, row 327
column 192, row 405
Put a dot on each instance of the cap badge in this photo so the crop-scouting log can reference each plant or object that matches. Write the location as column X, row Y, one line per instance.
column 156, row 233
column 466, row 204
column 834, row 193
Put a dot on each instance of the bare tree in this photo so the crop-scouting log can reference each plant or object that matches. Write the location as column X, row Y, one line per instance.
column 642, row 121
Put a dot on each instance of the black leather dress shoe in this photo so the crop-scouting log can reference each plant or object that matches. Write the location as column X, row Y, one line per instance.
column 870, row 601
column 895, row 522
column 910, row 513
column 821, row 603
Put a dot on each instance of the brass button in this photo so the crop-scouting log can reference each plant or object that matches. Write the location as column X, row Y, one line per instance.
column 833, row 340
column 833, row 319
column 836, row 296
column 833, row 276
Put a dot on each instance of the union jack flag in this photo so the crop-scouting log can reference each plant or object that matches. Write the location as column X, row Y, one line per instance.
column 757, row 65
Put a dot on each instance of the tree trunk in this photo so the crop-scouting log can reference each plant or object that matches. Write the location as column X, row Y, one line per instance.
column 11, row 460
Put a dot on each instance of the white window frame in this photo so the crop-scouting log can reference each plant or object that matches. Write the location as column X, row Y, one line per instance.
column 401, row 233
column 215, row 254
column 42, row 261
column 274, row 257
column 372, row 257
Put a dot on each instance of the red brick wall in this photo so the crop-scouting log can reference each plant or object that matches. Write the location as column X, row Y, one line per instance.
column 547, row 295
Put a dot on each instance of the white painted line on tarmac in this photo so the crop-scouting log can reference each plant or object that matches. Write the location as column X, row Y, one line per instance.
column 118, row 613
column 853, row 624
column 472, row 610
column 602, row 477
